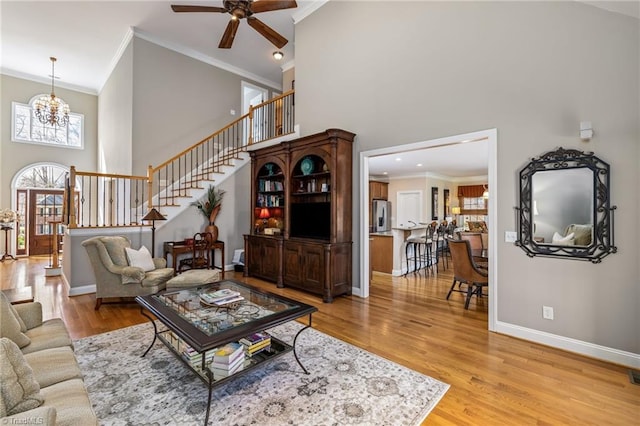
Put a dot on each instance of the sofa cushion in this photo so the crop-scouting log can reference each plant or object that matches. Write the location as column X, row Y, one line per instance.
column 71, row 401
column 192, row 278
column 42, row 415
column 115, row 247
column 567, row 240
column 19, row 389
column 55, row 365
column 51, row 334
column 157, row 277
column 140, row 258
column 477, row 226
column 9, row 325
column 582, row 233
column 30, row 313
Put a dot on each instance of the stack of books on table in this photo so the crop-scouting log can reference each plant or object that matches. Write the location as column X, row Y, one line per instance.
column 227, row 360
column 256, row 342
column 221, row 297
column 195, row 358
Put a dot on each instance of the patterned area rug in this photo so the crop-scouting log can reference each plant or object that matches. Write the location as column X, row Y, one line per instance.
column 346, row 385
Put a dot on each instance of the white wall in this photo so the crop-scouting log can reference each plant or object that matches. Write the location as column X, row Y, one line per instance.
column 115, row 117
column 177, row 102
column 533, row 70
column 15, row 156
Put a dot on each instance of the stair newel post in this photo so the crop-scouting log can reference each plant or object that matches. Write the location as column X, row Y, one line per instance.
column 71, row 198
column 250, row 141
column 150, row 186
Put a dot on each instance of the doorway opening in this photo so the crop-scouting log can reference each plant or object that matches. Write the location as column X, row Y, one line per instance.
column 487, row 136
column 253, row 95
column 38, row 192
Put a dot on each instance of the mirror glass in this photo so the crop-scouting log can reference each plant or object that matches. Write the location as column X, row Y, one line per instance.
column 561, row 200
column 564, row 206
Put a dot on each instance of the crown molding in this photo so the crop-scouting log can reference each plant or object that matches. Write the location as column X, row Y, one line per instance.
column 302, row 13
column 438, row 176
column 204, row 58
column 47, row 81
column 288, row 65
column 116, row 58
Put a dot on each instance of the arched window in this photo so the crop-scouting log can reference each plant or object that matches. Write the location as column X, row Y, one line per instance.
column 26, row 128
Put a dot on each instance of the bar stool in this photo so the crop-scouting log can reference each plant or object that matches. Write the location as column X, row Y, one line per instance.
column 420, row 249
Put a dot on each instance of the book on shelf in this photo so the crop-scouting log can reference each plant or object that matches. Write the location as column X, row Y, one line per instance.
column 228, row 353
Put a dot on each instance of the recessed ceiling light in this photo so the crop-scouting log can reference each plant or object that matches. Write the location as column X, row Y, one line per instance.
column 398, row 159
column 419, row 164
column 385, row 173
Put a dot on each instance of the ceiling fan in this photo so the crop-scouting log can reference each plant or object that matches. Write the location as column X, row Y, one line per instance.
column 239, row 9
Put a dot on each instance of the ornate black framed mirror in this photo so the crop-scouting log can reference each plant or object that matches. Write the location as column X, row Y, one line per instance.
column 565, row 207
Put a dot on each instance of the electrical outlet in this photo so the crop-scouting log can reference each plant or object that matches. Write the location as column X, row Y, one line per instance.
column 510, row 237
column 547, row 312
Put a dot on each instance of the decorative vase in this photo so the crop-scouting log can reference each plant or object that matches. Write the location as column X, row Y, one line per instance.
column 213, row 230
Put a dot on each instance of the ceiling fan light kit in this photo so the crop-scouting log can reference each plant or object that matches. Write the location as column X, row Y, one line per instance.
column 244, row 9
column 278, row 55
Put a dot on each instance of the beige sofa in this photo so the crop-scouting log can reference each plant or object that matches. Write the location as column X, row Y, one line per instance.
column 40, row 380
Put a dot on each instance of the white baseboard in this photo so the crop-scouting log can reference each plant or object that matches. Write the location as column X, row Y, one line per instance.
column 592, row 350
column 85, row 289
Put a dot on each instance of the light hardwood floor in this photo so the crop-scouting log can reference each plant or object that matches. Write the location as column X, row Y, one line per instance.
column 495, row 379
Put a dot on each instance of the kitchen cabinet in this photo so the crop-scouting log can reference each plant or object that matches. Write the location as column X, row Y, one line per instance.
column 378, row 190
column 381, row 248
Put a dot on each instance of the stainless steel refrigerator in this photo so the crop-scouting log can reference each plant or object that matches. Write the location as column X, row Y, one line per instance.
column 381, row 215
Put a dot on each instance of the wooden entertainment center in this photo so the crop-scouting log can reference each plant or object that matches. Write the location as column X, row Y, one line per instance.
column 302, row 207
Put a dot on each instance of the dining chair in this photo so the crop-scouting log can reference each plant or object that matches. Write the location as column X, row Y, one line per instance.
column 475, row 242
column 200, row 254
column 465, row 271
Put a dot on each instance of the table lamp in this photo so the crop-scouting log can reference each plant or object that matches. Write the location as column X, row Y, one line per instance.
column 264, row 215
column 153, row 215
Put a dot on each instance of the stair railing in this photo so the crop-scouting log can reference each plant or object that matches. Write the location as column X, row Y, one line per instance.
column 112, row 200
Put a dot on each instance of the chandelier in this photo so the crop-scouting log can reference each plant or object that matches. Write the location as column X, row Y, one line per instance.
column 51, row 109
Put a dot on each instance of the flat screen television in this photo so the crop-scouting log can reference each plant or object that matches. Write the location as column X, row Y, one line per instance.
column 310, row 220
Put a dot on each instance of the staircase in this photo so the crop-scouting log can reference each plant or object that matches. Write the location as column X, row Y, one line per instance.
column 109, row 200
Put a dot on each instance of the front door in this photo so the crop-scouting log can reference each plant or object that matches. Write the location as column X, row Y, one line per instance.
column 45, row 206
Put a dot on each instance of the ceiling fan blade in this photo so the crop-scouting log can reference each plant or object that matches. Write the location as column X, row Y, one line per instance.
column 229, row 34
column 269, row 5
column 267, row 32
column 184, row 8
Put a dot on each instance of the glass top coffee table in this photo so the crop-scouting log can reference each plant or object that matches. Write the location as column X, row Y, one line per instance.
column 197, row 326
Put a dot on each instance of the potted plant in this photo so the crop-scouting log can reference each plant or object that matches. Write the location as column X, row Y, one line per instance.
column 210, row 207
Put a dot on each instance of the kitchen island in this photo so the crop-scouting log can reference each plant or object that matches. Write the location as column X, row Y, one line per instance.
column 400, row 235
column 381, row 249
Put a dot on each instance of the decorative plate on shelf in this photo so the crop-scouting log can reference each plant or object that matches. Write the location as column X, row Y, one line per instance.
column 306, row 165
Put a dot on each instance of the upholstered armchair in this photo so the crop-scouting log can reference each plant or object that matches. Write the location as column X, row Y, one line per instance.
column 115, row 275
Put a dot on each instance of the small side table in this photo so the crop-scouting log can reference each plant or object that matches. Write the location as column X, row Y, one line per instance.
column 19, row 295
column 6, row 254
